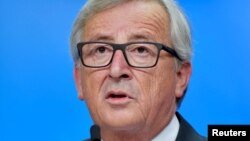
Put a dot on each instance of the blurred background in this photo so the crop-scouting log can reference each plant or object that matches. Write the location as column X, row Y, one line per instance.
column 38, row 99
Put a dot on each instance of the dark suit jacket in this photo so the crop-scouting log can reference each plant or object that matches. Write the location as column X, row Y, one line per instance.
column 186, row 131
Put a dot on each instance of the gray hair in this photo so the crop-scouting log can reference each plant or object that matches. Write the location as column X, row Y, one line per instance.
column 180, row 30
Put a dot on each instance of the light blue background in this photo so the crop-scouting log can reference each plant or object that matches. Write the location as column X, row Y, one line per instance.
column 38, row 99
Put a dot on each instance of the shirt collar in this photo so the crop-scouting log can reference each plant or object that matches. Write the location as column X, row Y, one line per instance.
column 169, row 133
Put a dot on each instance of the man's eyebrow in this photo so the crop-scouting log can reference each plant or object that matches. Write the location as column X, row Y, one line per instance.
column 100, row 37
column 132, row 37
column 141, row 37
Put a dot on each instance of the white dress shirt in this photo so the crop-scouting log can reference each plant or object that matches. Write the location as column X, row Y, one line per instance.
column 169, row 133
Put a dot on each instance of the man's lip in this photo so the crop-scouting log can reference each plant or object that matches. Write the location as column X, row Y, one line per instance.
column 118, row 98
column 117, row 93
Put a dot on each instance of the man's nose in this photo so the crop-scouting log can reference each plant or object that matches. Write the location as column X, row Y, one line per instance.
column 119, row 67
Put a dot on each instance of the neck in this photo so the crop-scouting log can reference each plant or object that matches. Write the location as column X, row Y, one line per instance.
column 122, row 135
column 144, row 133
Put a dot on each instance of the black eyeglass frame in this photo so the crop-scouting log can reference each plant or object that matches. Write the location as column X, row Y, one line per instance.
column 122, row 47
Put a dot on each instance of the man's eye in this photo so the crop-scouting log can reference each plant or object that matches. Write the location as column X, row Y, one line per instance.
column 142, row 50
column 101, row 50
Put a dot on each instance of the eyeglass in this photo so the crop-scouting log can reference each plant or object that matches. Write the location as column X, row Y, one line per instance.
column 137, row 54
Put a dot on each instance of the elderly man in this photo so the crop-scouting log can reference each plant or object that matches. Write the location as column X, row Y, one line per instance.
column 132, row 67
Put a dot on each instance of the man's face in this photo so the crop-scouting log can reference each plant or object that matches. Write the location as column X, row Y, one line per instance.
column 121, row 97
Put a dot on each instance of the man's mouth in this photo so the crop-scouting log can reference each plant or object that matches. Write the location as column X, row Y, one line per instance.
column 118, row 98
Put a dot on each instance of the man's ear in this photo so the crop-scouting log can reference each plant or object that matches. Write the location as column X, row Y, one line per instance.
column 78, row 81
column 183, row 76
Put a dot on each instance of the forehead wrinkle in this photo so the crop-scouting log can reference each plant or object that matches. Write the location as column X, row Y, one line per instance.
column 150, row 30
column 141, row 36
column 98, row 30
column 156, row 22
column 152, row 24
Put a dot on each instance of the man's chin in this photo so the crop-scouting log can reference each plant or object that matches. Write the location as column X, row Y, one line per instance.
column 121, row 123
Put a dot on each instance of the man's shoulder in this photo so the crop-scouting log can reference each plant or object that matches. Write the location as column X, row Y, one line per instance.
column 187, row 132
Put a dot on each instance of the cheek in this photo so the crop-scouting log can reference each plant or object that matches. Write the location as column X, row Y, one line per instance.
column 92, row 81
column 162, row 78
column 158, row 87
column 91, row 85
